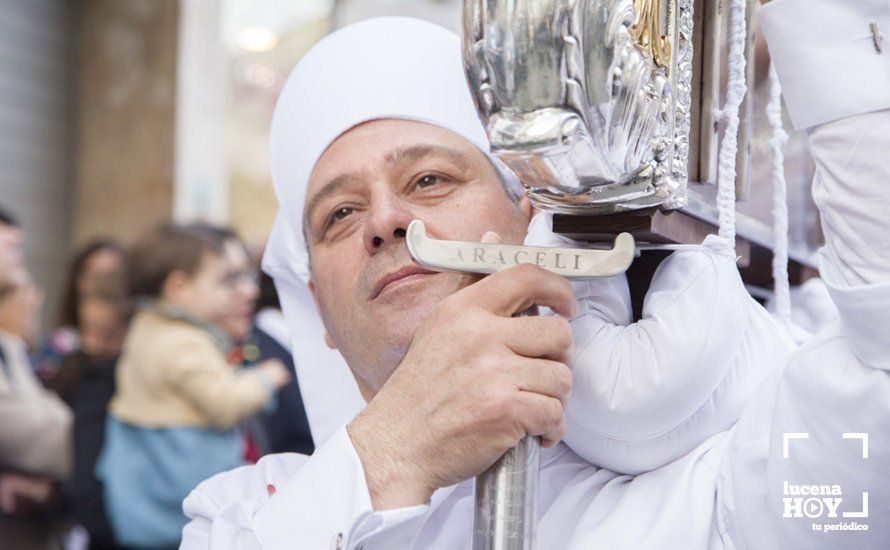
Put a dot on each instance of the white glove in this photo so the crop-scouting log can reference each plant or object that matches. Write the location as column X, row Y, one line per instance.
column 647, row 393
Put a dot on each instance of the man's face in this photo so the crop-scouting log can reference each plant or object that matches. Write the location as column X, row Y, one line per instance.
column 12, row 261
column 362, row 194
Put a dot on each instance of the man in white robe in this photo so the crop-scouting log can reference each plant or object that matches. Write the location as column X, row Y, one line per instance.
column 400, row 475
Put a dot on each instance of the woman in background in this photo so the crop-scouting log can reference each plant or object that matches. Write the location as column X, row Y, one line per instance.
column 86, row 381
column 92, row 266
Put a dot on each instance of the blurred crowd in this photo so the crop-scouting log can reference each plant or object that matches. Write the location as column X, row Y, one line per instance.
column 168, row 364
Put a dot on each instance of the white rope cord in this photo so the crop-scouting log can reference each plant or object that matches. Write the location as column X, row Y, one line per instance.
column 735, row 93
column 780, row 200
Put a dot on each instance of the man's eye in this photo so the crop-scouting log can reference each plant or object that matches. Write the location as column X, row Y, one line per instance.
column 336, row 216
column 427, row 181
column 340, row 213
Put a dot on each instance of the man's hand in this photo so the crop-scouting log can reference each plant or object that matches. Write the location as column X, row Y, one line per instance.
column 474, row 382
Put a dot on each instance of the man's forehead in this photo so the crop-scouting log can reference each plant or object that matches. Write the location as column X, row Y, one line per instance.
column 382, row 144
column 392, row 141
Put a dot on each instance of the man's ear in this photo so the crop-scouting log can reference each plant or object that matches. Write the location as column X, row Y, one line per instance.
column 525, row 206
column 327, row 336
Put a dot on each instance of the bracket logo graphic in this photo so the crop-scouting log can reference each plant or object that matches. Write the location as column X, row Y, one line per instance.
column 816, row 501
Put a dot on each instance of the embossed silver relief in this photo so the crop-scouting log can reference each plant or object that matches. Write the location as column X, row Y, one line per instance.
column 588, row 101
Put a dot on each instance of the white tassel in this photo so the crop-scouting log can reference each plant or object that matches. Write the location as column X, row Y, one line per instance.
column 780, row 200
column 735, row 93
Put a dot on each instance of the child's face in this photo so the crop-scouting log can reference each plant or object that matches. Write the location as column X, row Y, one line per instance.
column 214, row 293
column 101, row 329
column 238, row 318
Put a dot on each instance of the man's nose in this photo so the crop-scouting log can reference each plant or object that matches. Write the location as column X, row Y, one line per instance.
column 387, row 223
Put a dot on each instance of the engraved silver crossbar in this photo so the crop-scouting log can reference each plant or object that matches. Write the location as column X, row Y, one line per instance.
column 487, row 258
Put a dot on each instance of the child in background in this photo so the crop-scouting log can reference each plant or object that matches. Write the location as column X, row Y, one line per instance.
column 171, row 420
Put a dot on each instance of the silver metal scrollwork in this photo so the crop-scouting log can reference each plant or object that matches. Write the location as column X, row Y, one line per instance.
column 588, row 101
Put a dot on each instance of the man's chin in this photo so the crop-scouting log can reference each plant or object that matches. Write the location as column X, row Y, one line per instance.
column 413, row 300
column 406, row 318
column 397, row 320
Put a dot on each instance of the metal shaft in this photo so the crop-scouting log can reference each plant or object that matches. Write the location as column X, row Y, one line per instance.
column 507, row 496
column 506, row 500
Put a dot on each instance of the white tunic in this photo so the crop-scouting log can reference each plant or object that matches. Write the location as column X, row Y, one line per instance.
column 323, row 498
column 823, row 408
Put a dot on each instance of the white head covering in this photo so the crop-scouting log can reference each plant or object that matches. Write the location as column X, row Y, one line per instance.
column 388, row 67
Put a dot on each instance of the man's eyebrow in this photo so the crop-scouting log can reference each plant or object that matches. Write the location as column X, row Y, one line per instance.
column 416, row 152
column 333, row 186
column 402, row 154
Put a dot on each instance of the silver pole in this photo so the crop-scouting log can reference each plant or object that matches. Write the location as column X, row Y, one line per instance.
column 507, row 496
column 506, row 500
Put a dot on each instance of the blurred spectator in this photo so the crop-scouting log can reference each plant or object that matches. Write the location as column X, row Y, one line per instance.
column 20, row 312
column 236, row 323
column 279, row 429
column 12, row 260
column 86, row 382
column 287, row 427
column 93, row 265
column 34, row 424
column 237, row 319
column 177, row 400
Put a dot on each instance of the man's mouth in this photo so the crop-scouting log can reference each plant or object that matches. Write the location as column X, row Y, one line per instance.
column 405, row 273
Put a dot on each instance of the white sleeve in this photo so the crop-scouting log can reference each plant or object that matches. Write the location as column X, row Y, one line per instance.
column 825, row 55
column 824, row 418
column 646, row 393
column 808, row 462
column 320, row 501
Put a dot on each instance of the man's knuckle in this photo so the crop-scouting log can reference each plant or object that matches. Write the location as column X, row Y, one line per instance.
column 488, row 366
column 528, row 275
column 497, row 405
column 554, row 412
column 561, row 429
column 525, row 270
column 564, row 380
column 558, row 333
column 562, row 332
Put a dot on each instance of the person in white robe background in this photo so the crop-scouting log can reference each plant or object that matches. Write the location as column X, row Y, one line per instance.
column 327, row 498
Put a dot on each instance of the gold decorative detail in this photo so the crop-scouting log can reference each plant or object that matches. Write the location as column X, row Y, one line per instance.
column 646, row 30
